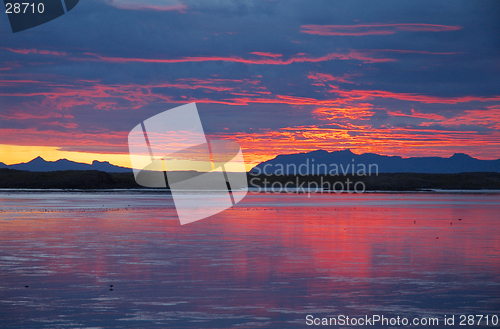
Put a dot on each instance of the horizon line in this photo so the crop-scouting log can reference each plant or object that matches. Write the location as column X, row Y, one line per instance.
column 342, row 150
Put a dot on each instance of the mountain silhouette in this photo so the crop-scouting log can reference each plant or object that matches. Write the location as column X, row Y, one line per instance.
column 41, row 165
column 324, row 162
column 315, row 162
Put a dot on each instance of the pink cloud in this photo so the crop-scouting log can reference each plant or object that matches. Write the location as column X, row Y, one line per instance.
column 323, row 77
column 36, row 51
column 258, row 53
column 352, row 55
column 8, row 83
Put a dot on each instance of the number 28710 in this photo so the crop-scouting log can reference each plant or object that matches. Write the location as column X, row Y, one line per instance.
column 24, row 8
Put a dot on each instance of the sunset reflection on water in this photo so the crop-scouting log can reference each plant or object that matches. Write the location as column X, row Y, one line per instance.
column 266, row 263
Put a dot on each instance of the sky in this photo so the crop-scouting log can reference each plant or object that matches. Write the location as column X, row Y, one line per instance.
column 419, row 78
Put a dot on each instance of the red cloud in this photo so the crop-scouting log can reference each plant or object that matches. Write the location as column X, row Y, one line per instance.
column 374, row 29
column 345, row 117
column 102, row 96
column 269, row 58
column 370, row 94
column 100, row 142
column 234, row 92
column 323, row 77
column 266, row 54
column 352, row 55
column 17, row 115
column 487, row 118
column 8, row 83
column 36, row 51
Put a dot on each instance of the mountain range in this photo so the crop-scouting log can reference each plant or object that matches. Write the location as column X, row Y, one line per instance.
column 315, row 162
column 324, row 162
column 41, row 165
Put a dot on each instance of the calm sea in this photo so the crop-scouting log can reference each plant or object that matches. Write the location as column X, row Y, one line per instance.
column 122, row 260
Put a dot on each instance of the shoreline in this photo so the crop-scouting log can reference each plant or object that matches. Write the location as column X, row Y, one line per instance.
column 250, row 191
column 392, row 182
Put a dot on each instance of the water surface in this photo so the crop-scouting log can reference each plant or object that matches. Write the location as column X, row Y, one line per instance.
column 266, row 263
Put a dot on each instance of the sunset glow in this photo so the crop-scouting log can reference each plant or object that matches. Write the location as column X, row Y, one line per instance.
column 411, row 86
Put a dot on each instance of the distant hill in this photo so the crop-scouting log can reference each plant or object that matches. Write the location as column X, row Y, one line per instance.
column 323, row 162
column 341, row 161
column 40, row 165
